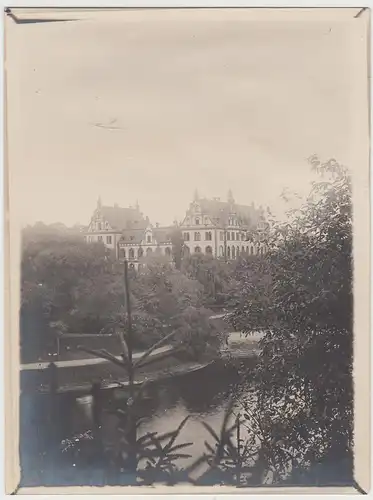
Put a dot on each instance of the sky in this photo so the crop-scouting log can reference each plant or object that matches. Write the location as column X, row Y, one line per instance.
column 201, row 100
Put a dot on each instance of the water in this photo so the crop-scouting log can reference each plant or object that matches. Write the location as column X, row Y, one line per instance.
column 202, row 395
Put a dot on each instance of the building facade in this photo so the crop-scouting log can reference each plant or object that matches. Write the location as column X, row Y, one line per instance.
column 128, row 233
column 223, row 229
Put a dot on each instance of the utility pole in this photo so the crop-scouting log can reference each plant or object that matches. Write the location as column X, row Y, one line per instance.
column 225, row 243
column 129, row 339
column 132, row 430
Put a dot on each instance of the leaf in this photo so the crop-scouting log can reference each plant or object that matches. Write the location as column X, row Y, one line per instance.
column 176, row 456
column 177, row 432
column 211, row 431
column 142, row 440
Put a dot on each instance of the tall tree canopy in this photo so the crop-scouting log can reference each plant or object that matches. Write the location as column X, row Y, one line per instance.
column 300, row 295
column 71, row 286
column 215, row 276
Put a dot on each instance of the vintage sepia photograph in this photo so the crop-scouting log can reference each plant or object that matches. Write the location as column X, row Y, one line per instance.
column 188, row 218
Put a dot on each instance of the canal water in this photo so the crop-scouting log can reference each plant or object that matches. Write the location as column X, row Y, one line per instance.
column 202, row 395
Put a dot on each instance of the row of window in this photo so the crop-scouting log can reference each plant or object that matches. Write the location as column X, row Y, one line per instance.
column 231, row 236
column 108, row 239
column 100, row 226
column 232, row 252
column 197, row 236
column 140, row 252
column 197, row 221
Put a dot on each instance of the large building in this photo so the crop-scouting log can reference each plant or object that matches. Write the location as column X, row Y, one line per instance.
column 223, row 229
column 128, row 233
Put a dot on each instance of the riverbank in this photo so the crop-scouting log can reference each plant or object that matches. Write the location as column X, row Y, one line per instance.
column 79, row 375
column 79, row 378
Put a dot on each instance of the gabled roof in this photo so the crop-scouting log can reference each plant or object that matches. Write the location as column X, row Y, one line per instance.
column 219, row 212
column 124, row 218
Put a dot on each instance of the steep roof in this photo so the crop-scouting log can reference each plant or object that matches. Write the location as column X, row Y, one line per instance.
column 121, row 218
column 133, row 235
column 219, row 211
column 162, row 234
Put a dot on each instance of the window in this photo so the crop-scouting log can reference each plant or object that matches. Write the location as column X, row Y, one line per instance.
column 208, row 236
column 132, row 238
column 99, row 226
column 186, row 236
column 229, row 252
column 197, row 236
column 221, row 236
column 197, row 249
column 123, row 253
column 140, row 252
column 149, row 251
column 238, row 251
column 237, row 236
column 209, row 250
column 131, row 253
column 233, row 236
column 228, row 235
column 233, row 252
column 149, row 238
column 168, row 252
column 99, row 238
column 221, row 251
column 242, row 237
column 197, row 221
column 108, row 240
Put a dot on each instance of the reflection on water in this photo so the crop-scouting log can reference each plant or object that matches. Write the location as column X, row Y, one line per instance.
column 203, row 395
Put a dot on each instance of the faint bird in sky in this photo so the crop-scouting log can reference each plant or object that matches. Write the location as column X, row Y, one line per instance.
column 108, row 126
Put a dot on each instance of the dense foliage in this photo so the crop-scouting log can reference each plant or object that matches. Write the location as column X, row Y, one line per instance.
column 300, row 295
column 71, row 286
column 215, row 276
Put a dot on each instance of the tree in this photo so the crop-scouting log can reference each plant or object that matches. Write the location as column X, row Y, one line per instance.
column 214, row 275
column 300, row 295
column 54, row 267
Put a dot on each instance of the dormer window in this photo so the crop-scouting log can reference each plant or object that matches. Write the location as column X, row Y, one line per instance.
column 148, row 238
column 197, row 221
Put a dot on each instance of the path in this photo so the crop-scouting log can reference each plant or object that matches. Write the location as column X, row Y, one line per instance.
column 89, row 361
column 233, row 337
